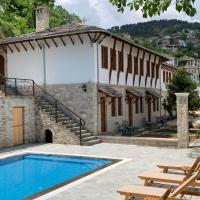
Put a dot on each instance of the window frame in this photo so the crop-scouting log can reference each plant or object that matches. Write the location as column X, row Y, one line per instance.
column 120, row 107
column 104, row 57
column 113, row 106
column 113, row 61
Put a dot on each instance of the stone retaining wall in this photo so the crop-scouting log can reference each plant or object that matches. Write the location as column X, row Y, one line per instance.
column 6, row 119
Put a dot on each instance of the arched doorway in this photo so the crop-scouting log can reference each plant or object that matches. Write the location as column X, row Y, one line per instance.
column 48, row 136
column 2, row 68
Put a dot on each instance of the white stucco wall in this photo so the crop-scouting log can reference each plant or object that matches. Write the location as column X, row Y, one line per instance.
column 104, row 73
column 64, row 64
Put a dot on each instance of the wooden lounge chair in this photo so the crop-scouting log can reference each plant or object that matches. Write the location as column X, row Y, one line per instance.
column 150, row 177
column 153, row 193
column 186, row 169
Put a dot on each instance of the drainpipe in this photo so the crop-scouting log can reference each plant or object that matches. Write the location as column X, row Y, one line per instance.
column 97, row 54
column 44, row 63
column 160, row 91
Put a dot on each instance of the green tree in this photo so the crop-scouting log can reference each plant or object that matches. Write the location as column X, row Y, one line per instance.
column 18, row 16
column 181, row 82
column 155, row 7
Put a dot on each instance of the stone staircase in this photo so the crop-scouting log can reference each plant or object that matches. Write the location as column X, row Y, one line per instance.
column 67, row 122
column 48, row 108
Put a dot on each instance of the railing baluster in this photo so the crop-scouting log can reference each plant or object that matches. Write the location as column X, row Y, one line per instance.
column 33, row 88
column 56, row 108
column 15, row 86
column 5, row 87
column 80, row 132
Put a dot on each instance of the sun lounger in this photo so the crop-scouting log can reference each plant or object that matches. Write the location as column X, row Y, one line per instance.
column 150, row 177
column 153, row 193
column 186, row 169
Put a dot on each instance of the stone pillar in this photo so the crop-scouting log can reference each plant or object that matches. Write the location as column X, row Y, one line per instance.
column 182, row 120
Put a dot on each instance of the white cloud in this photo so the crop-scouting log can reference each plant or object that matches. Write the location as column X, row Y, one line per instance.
column 102, row 13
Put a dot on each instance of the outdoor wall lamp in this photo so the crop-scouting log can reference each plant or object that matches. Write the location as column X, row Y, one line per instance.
column 84, row 88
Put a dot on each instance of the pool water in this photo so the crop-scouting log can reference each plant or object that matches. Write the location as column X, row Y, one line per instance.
column 29, row 174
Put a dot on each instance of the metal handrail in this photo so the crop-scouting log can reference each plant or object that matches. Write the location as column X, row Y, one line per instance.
column 56, row 102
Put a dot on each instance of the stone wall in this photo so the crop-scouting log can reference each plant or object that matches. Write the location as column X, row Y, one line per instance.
column 6, row 119
column 60, row 134
column 138, row 119
column 80, row 100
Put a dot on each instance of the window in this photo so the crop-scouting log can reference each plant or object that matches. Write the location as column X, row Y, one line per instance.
column 148, row 68
column 164, row 76
column 152, row 70
column 154, row 105
column 113, row 59
column 119, row 106
column 141, row 67
column 157, row 71
column 158, row 106
column 104, row 57
column 141, row 105
column 129, row 58
column 170, row 76
column 121, row 61
column 137, row 105
column 167, row 77
column 113, row 107
column 135, row 65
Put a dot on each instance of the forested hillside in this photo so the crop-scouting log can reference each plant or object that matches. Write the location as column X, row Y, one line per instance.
column 156, row 28
column 18, row 16
column 172, row 37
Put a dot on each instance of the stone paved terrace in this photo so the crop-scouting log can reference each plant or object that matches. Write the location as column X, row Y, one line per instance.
column 104, row 186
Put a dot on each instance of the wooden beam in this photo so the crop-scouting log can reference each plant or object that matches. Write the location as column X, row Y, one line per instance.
column 112, row 57
column 72, row 41
column 138, row 50
column 159, row 62
column 10, row 49
column 94, row 38
column 31, row 45
column 54, row 42
column 127, row 69
column 105, row 36
column 62, row 41
column 147, row 70
column 16, row 47
column 46, row 43
column 81, row 40
column 23, row 46
column 140, row 68
column 118, row 72
column 38, row 44
column 153, row 70
column 89, row 37
column 4, row 49
column 98, row 37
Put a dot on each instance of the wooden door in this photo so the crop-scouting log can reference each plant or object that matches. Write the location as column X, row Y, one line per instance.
column 18, row 126
column 2, row 72
column 130, row 112
column 149, row 110
column 103, row 114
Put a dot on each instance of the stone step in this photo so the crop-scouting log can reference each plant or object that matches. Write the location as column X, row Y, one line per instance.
column 92, row 142
column 71, row 125
column 90, row 138
column 86, row 135
column 82, row 131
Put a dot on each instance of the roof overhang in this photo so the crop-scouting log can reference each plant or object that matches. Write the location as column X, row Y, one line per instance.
column 108, row 91
column 134, row 92
column 153, row 94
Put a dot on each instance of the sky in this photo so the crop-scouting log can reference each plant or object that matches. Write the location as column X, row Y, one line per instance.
column 103, row 14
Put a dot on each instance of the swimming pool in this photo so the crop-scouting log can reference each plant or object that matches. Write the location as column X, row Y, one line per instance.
column 32, row 175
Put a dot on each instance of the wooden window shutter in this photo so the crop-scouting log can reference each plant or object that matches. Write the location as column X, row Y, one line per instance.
column 104, row 57
column 152, row 70
column 113, row 59
column 113, row 107
column 137, row 105
column 121, row 61
column 141, row 67
column 164, row 76
column 129, row 57
column 135, row 65
column 148, row 68
column 119, row 106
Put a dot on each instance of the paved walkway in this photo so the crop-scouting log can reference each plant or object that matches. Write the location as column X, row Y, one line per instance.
column 104, row 186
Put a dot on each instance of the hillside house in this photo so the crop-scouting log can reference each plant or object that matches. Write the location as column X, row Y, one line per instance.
column 98, row 75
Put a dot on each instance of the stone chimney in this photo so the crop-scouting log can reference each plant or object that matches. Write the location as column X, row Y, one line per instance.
column 42, row 18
